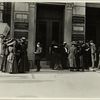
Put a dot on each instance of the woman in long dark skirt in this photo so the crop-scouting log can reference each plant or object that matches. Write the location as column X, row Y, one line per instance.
column 18, row 52
column 4, row 53
column 77, row 56
column 87, row 56
column 4, row 59
column 23, row 62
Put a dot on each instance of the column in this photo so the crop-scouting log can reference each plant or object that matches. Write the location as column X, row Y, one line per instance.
column 12, row 20
column 1, row 46
column 32, row 31
column 68, row 23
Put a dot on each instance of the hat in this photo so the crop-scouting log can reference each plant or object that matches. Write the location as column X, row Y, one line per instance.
column 73, row 42
column 38, row 43
column 64, row 42
column 23, row 38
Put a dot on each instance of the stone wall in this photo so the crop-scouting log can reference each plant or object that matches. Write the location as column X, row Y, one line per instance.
column 78, row 21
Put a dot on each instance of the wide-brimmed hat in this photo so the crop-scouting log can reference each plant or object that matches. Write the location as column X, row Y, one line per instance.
column 23, row 38
column 64, row 42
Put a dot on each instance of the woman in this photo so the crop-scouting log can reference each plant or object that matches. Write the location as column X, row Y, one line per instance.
column 87, row 56
column 78, row 55
column 23, row 61
column 98, row 53
column 5, row 54
column 93, row 53
column 72, row 52
column 11, row 59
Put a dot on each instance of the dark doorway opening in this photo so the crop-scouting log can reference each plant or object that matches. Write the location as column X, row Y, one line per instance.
column 93, row 24
column 50, row 20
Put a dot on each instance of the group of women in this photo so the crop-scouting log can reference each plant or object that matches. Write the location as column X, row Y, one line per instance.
column 14, row 55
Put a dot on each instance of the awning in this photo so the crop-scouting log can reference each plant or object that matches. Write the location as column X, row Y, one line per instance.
column 4, row 29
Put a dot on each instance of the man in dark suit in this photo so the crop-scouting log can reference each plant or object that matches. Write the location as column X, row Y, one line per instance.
column 38, row 56
column 64, row 55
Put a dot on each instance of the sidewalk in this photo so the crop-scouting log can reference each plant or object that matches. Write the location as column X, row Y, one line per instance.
column 50, row 84
column 43, row 74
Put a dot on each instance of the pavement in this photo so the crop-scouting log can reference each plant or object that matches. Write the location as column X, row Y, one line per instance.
column 51, row 84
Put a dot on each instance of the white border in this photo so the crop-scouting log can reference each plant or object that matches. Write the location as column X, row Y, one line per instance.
column 58, row 1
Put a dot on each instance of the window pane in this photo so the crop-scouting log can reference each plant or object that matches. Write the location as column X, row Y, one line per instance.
column 21, row 17
column 18, row 16
column 78, row 28
column 24, row 16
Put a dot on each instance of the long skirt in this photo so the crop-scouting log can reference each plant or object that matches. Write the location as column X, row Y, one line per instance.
column 99, row 62
column 23, row 65
column 4, row 63
column 87, row 60
column 72, row 61
column 12, row 67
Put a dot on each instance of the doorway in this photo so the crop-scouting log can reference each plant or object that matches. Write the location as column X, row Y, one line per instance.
column 93, row 24
column 50, row 20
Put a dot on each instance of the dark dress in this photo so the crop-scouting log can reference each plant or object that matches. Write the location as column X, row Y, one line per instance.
column 81, row 56
column 52, row 56
column 57, row 57
column 4, row 59
column 77, row 56
column 18, row 53
column 23, row 61
column 87, row 57
column 64, row 57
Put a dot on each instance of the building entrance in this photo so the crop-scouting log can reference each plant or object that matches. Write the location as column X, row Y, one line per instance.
column 93, row 24
column 49, row 26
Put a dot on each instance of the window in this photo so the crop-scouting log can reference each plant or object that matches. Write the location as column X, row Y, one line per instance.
column 21, row 17
column 1, row 6
column 78, row 28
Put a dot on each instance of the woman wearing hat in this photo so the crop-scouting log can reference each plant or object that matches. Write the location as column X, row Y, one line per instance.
column 4, row 54
column 11, row 58
column 72, row 52
column 23, row 65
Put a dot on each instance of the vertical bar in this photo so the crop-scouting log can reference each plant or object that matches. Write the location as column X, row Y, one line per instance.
column 12, row 20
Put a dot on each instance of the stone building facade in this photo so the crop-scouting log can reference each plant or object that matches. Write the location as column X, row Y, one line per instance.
column 44, row 22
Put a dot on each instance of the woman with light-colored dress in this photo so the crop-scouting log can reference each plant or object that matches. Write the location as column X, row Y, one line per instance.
column 11, row 59
column 71, row 57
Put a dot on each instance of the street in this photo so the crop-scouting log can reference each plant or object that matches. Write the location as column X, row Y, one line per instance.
column 50, row 84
